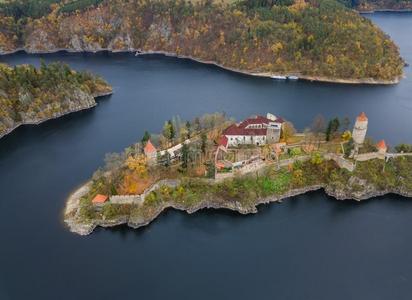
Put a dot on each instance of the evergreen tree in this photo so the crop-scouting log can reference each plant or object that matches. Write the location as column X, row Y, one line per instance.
column 168, row 131
column 332, row 129
column 204, row 143
column 189, row 129
column 172, row 130
column 198, row 127
column 145, row 137
column 185, row 156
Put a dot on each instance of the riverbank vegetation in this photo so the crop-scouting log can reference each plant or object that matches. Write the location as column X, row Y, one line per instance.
column 32, row 95
column 376, row 5
column 307, row 38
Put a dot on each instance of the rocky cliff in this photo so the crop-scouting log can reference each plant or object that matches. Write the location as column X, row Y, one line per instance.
column 135, row 221
column 354, row 189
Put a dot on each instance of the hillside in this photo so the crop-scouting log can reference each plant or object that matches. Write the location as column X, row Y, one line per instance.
column 318, row 39
column 31, row 96
column 376, row 5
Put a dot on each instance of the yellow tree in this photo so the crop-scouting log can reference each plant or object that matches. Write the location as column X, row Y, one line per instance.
column 346, row 136
column 288, row 130
column 138, row 164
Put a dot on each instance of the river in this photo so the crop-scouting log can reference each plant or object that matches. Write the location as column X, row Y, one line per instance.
column 308, row 247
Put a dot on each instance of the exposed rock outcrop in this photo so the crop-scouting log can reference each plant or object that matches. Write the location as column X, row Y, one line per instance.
column 77, row 101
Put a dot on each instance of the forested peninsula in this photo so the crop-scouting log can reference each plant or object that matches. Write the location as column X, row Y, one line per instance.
column 30, row 95
column 313, row 39
column 213, row 162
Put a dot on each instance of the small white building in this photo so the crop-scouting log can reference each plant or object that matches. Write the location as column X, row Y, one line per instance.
column 175, row 150
column 257, row 130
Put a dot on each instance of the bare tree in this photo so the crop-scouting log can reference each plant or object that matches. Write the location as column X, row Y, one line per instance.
column 318, row 127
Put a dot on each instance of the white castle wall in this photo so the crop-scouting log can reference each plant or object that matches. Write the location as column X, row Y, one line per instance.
column 359, row 131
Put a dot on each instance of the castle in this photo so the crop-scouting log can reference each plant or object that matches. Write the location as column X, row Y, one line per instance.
column 359, row 131
column 257, row 130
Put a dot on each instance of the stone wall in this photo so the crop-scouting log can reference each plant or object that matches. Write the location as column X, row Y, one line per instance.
column 342, row 162
column 132, row 199
column 369, row 156
column 223, row 176
column 138, row 199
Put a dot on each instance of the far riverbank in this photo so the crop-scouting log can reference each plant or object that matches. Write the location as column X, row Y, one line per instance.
column 137, row 52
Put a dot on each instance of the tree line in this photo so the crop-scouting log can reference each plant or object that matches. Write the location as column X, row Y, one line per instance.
column 21, row 9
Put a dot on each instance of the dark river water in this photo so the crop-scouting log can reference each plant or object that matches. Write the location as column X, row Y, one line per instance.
column 308, row 247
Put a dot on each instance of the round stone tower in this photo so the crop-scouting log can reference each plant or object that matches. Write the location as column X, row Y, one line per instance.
column 360, row 129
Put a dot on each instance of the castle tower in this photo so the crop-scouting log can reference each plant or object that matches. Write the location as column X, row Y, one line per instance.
column 360, row 129
column 273, row 129
column 273, row 133
column 382, row 148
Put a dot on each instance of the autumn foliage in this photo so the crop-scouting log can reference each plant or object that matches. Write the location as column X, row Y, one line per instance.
column 30, row 95
column 308, row 38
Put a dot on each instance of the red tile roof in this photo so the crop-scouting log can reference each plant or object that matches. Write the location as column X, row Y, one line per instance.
column 362, row 117
column 223, row 140
column 149, row 148
column 100, row 199
column 240, row 129
column 220, row 165
column 382, row 145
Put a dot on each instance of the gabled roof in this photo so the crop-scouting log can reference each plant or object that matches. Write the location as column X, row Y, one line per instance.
column 382, row 145
column 240, row 129
column 256, row 120
column 149, row 148
column 362, row 117
column 260, row 120
column 100, row 199
column 223, row 140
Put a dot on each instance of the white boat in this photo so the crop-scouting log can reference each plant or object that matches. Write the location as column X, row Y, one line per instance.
column 278, row 77
column 292, row 77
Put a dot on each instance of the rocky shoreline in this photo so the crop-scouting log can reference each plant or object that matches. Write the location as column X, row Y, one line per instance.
column 72, row 206
column 367, row 81
column 321, row 79
column 58, row 115
column 385, row 10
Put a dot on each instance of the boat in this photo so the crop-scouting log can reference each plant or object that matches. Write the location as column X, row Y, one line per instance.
column 278, row 77
column 292, row 77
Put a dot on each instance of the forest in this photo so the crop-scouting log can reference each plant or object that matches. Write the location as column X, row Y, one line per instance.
column 371, row 5
column 29, row 94
column 318, row 38
column 34, row 9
